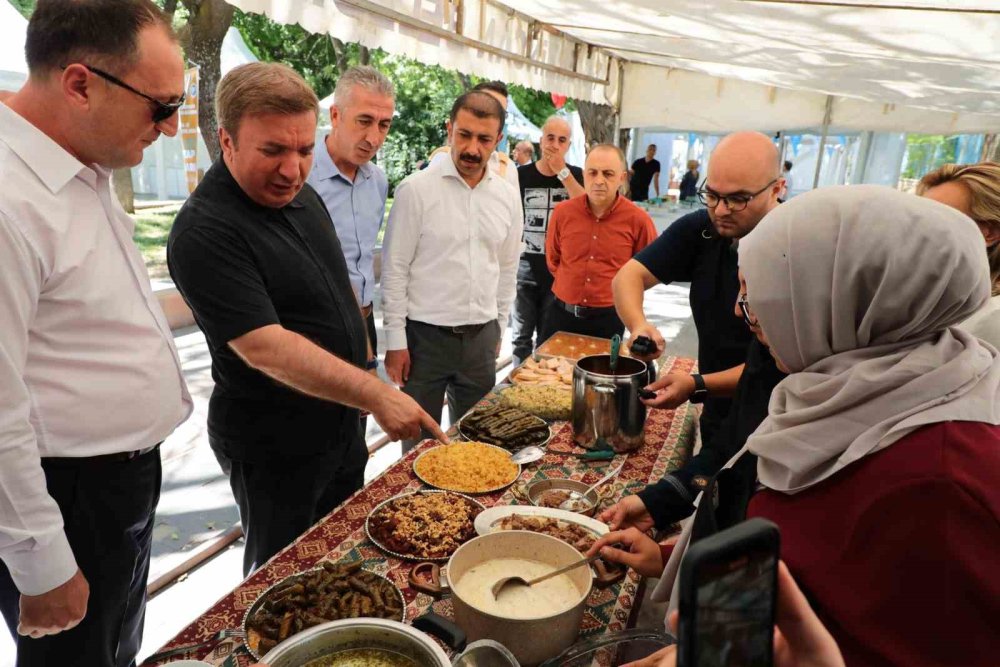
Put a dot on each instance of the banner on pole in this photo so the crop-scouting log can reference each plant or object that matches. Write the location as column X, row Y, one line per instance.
column 189, row 128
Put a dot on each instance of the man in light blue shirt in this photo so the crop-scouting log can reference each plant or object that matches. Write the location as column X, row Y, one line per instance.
column 353, row 189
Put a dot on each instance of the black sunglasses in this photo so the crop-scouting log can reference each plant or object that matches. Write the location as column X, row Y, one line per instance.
column 161, row 110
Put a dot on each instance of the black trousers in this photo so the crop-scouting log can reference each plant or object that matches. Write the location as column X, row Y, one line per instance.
column 527, row 316
column 282, row 496
column 107, row 509
column 558, row 319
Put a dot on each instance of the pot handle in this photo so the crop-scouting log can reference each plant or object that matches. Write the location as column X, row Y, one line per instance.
column 607, row 575
column 432, row 583
column 442, row 628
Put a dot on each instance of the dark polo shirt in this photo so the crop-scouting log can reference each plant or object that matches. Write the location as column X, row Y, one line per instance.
column 241, row 266
column 690, row 251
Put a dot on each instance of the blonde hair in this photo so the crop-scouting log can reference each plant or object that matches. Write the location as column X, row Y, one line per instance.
column 261, row 88
column 983, row 183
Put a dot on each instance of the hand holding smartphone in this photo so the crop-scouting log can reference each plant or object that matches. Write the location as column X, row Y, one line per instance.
column 728, row 593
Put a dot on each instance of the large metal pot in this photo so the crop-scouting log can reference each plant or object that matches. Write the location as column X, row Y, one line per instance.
column 352, row 633
column 607, row 410
column 531, row 640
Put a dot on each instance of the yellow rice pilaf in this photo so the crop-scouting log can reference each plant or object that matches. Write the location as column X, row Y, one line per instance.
column 470, row 467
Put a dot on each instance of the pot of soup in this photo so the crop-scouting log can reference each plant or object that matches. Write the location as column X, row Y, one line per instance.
column 535, row 623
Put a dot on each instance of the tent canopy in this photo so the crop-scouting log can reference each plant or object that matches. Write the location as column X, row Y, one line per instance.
column 707, row 65
column 13, row 68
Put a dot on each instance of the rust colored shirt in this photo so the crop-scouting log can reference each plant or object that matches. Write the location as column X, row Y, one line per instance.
column 585, row 252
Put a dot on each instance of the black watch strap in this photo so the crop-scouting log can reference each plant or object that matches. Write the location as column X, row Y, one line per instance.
column 700, row 392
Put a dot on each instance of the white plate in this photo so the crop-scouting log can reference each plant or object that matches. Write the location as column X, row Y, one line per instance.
column 485, row 521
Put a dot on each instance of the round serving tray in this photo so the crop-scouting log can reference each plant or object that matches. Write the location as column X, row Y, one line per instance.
column 540, row 443
column 262, row 598
column 413, row 557
column 466, row 491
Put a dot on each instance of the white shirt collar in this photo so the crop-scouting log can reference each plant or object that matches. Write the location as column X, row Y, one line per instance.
column 52, row 164
column 448, row 168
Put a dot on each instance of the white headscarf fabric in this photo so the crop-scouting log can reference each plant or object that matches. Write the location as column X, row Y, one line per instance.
column 857, row 289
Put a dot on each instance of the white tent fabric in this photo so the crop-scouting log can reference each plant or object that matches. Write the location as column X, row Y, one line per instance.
column 706, row 65
column 13, row 68
column 484, row 38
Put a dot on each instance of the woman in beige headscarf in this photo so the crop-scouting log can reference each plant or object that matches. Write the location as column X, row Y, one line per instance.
column 880, row 457
column 974, row 189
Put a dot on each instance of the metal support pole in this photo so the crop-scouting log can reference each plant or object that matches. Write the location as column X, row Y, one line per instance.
column 822, row 140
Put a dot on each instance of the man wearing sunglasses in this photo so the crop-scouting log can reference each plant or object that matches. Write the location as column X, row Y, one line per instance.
column 90, row 379
column 742, row 185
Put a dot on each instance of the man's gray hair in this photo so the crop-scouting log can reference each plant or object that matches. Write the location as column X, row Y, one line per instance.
column 560, row 118
column 365, row 77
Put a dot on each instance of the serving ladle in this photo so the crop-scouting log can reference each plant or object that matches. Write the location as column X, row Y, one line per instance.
column 579, row 501
column 507, row 583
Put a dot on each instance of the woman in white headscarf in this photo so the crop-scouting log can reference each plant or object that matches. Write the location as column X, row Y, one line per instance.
column 880, row 457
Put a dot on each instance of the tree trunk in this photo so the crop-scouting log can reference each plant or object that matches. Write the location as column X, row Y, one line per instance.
column 340, row 50
column 991, row 148
column 364, row 56
column 208, row 21
column 598, row 122
column 121, row 179
column 170, row 8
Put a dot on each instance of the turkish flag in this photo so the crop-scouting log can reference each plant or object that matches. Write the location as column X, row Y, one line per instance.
column 558, row 100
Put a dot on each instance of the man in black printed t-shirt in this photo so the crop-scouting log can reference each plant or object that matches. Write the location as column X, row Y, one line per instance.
column 544, row 183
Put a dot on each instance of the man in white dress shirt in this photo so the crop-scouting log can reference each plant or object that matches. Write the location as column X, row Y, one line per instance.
column 90, row 382
column 449, row 263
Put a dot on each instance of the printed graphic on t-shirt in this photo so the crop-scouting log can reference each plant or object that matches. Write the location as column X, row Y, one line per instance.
column 538, row 205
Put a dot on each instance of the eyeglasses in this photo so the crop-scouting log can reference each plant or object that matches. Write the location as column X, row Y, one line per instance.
column 161, row 110
column 745, row 307
column 734, row 203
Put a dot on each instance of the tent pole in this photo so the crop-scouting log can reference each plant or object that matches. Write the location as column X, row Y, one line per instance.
column 827, row 117
column 618, row 105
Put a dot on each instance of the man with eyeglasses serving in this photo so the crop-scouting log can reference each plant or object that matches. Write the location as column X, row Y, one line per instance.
column 742, row 186
column 90, row 379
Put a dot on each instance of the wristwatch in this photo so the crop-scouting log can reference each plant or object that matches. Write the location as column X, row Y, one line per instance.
column 563, row 174
column 700, row 392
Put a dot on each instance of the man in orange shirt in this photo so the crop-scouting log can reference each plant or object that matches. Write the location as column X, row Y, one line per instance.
column 589, row 238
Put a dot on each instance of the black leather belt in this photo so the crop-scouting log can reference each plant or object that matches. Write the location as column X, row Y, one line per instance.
column 117, row 457
column 584, row 312
column 459, row 330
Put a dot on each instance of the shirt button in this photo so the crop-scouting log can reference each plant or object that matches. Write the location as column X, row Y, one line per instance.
column 595, row 236
column 588, row 280
column 585, row 301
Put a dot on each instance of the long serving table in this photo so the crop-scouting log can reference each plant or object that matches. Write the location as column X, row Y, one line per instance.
column 340, row 536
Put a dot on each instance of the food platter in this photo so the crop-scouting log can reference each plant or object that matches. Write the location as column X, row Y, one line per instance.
column 394, row 608
column 490, row 520
column 429, row 457
column 372, row 524
column 551, row 371
column 474, row 431
column 543, row 401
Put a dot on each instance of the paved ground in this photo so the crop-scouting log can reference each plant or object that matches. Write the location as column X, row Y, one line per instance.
column 196, row 503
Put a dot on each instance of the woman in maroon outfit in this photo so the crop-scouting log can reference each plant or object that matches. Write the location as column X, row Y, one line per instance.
column 880, row 458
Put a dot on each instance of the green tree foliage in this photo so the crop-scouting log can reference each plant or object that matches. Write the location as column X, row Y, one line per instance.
column 24, row 6
column 926, row 152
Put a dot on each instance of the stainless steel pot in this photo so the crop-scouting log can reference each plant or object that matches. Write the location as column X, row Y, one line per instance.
column 324, row 640
column 530, row 640
column 607, row 410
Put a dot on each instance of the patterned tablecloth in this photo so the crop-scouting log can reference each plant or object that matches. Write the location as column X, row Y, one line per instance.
column 340, row 536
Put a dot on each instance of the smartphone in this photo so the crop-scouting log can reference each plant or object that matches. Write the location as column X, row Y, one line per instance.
column 728, row 589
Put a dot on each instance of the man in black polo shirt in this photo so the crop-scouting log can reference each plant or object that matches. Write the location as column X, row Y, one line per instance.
column 255, row 255
column 743, row 184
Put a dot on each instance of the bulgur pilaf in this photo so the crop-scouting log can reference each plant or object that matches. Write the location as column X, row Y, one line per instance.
column 470, row 467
